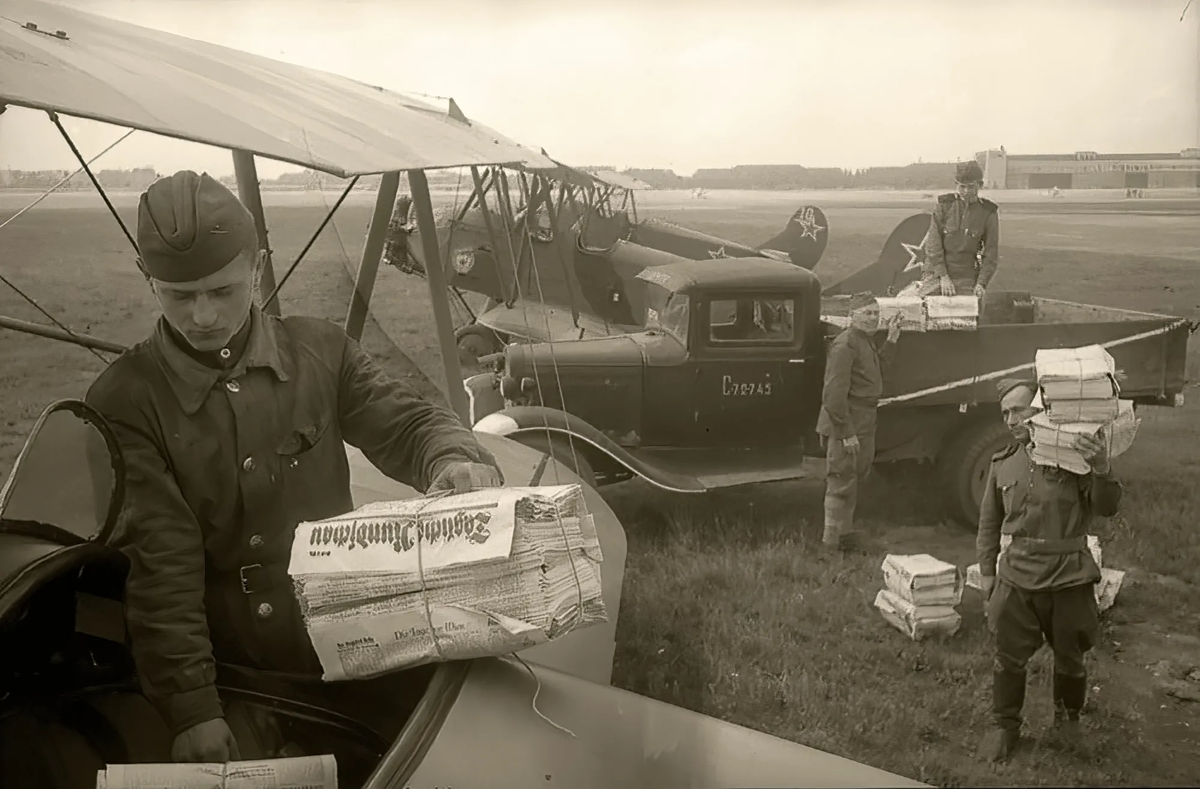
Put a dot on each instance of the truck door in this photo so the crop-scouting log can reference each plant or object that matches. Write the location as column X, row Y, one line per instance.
column 749, row 370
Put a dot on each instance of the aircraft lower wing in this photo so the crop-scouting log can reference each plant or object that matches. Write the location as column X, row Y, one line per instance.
column 617, row 738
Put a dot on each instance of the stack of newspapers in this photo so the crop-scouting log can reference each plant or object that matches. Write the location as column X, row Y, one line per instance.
column 919, row 595
column 398, row 584
column 1106, row 589
column 1078, row 395
column 930, row 313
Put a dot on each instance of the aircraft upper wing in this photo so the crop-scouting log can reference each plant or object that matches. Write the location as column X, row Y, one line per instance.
column 136, row 77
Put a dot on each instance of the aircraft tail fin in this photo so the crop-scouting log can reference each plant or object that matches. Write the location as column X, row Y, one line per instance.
column 899, row 264
column 803, row 240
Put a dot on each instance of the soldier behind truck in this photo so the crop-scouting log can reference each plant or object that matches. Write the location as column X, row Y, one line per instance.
column 1044, row 584
column 962, row 245
column 853, row 383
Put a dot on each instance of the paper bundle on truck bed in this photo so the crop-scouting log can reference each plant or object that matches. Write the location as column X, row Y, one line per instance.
column 393, row 585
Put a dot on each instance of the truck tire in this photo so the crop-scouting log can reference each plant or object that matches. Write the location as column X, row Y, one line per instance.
column 558, row 447
column 963, row 467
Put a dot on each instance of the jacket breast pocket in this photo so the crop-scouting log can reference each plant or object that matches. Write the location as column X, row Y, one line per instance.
column 313, row 469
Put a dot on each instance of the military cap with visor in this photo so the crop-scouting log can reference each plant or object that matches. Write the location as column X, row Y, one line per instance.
column 191, row 226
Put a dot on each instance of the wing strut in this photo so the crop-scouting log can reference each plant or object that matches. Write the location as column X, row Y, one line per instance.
column 312, row 239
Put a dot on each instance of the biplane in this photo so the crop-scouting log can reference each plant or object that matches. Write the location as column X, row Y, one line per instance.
column 559, row 260
column 463, row 723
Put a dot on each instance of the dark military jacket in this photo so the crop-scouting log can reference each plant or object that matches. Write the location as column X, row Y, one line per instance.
column 1047, row 511
column 223, row 466
column 854, row 368
column 958, row 232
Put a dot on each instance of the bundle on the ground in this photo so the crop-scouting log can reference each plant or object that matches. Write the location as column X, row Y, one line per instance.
column 919, row 595
column 1106, row 589
column 398, row 584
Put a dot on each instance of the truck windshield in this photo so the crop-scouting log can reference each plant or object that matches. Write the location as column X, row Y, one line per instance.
column 674, row 317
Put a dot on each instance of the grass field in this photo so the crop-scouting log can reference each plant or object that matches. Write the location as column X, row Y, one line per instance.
column 727, row 608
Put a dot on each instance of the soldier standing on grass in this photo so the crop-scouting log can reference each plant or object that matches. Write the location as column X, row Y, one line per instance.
column 232, row 423
column 854, row 370
column 962, row 245
column 1044, row 585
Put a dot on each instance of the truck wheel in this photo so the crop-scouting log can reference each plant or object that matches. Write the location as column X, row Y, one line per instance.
column 963, row 465
column 559, row 448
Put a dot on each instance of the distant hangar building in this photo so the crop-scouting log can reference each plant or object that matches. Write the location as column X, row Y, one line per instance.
column 1091, row 170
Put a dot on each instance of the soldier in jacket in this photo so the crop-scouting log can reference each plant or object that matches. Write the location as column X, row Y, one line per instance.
column 854, row 369
column 232, row 425
column 962, row 245
column 1044, row 585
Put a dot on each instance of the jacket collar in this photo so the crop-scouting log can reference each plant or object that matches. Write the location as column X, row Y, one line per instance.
column 192, row 381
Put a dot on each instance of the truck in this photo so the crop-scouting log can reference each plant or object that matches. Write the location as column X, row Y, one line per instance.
column 723, row 385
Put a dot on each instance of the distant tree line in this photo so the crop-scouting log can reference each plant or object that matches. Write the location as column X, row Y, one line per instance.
column 920, row 176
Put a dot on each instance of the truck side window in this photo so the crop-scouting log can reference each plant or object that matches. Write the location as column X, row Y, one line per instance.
column 751, row 320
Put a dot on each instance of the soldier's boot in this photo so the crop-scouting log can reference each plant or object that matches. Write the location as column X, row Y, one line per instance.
column 1070, row 693
column 1008, row 698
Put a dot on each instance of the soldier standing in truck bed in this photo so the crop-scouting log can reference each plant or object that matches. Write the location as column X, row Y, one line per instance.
column 962, row 245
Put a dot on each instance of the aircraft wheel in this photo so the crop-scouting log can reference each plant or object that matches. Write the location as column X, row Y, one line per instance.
column 559, row 448
column 963, row 467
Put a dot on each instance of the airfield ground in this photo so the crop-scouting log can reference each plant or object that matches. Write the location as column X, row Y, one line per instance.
column 727, row 609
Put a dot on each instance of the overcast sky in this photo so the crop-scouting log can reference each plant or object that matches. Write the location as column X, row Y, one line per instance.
column 841, row 83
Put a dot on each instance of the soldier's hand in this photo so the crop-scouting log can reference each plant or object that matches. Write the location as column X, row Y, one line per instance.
column 463, row 477
column 989, row 583
column 1094, row 451
column 211, row 741
column 979, row 291
column 851, row 444
column 947, row 286
column 893, row 328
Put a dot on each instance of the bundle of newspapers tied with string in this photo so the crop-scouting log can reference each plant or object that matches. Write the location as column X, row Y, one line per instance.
column 397, row 584
column 1078, row 395
column 930, row 313
column 919, row 595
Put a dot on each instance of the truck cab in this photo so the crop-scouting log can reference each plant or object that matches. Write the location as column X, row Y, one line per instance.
column 732, row 359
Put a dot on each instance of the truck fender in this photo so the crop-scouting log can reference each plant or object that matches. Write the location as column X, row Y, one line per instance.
column 599, row 449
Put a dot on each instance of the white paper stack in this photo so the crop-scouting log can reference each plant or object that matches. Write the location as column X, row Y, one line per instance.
column 1087, row 373
column 1106, row 589
column 398, row 584
column 1078, row 394
column 910, row 308
column 919, row 595
column 952, row 313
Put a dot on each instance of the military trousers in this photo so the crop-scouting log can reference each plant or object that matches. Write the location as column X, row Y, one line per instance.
column 1068, row 619
column 845, row 472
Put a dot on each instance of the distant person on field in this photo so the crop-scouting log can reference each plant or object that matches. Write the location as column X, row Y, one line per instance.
column 1044, row 585
column 854, row 371
column 963, row 227
column 232, row 424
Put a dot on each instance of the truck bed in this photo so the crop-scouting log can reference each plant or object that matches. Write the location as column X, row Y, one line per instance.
column 962, row 367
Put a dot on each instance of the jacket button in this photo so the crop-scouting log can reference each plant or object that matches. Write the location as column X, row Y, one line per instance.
column 248, row 464
column 256, row 541
column 233, row 385
column 265, row 610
